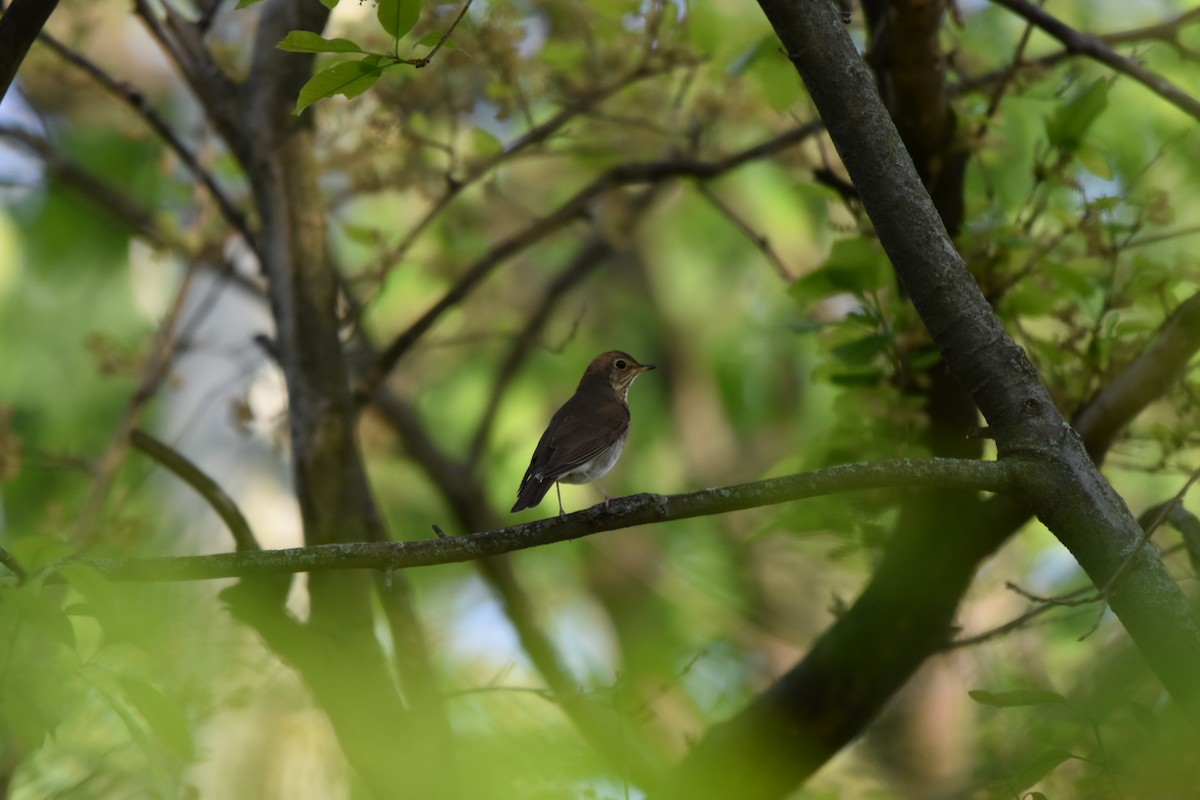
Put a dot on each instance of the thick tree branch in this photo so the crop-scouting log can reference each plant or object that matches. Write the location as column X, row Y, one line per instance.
column 20, row 24
column 626, row 512
column 790, row 730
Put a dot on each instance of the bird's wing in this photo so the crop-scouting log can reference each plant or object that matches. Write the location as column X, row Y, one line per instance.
column 571, row 440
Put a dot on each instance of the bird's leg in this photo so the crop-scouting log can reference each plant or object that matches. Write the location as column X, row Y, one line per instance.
column 561, row 513
column 607, row 497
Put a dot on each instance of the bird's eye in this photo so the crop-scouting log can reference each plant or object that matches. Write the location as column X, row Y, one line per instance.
column 621, row 363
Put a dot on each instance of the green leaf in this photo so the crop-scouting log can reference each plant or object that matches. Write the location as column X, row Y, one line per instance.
column 309, row 42
column 88, row 581
column 350, row 78
column 1094, row 161
column 1017, row 698
column 164, row 716
column 861, row 351
column 398, row 16
column 856, row 265
column 1069, row 124
column 27, row 715
column 330, row 4
column 36, row 552
column 246, row 3
column 44, row 615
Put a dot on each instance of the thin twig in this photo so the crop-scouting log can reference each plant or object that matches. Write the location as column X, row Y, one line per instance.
column 137, row 101
column 1166, row 31
column 157, row 368
column 575, row 206
column 536, row 135
column 1111, row 584
column 1017, row 623
column 757, row 239
column 421, row 63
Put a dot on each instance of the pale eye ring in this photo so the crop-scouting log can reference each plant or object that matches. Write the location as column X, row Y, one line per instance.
column 621, row 363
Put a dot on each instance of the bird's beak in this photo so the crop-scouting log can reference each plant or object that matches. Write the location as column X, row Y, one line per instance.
column 646, row 368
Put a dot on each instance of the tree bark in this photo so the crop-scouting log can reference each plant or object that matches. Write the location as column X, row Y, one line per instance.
column 828, row 698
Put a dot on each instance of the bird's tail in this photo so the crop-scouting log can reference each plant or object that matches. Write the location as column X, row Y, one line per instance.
column 532, row 490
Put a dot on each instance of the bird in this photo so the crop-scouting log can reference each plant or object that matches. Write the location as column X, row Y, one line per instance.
column 585, row 437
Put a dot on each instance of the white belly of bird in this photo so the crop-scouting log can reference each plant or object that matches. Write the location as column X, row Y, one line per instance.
column 597, row 467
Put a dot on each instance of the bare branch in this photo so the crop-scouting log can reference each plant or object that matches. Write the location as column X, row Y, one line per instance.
column 624, row 512
column 534, row 136
column 420, row 63
column 138, row 102
column 760, row 242
column 620, row 175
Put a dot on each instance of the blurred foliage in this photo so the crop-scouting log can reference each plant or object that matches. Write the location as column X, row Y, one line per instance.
column 1082, row 199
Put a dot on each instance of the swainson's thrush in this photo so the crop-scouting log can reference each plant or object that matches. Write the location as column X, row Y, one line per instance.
column 585, row 436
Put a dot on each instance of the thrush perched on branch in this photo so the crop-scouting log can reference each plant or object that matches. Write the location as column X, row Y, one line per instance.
column 585, row 436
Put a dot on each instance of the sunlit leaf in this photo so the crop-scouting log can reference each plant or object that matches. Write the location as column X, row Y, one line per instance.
column 350, row 78
column 165, row 716
column 35, row 552
column 309, row 42
column 41, row 612
column 398, row 16
column 1094, row 161
column 862, row 351
column 1069, row 124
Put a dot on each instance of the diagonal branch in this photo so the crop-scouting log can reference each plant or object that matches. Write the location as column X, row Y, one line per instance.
column 903, row 616
column 1096, row 48
column 20, row 24
column 1146, row 378
column 626, row 512
column 574, row 207
column 138, row 102
column 220, row 502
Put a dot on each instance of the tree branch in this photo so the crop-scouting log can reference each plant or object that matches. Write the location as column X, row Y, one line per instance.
column 1147, row 377
column 1096, row 48
column 172, row 460
column 827, row 699
column 138, row 102
column 620, row 175
column 625, row 512
column 20, row 24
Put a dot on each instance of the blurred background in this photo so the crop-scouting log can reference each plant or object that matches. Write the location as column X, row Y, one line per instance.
column 749, row 274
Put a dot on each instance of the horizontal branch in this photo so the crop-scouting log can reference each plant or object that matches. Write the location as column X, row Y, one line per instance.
column 624, row 512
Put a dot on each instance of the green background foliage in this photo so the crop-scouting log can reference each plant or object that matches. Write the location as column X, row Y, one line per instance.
column 1080, row 228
